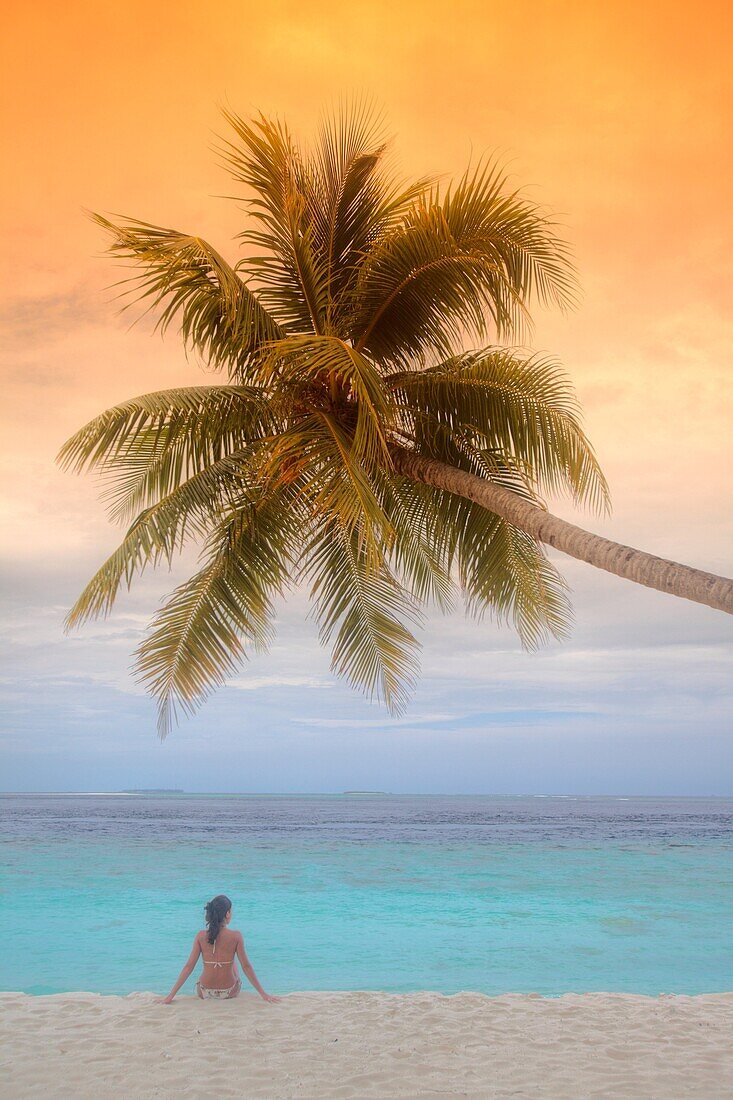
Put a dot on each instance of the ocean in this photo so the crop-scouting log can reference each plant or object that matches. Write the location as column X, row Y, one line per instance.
column 365, row 891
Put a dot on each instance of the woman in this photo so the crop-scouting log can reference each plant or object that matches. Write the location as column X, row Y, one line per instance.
column 219, row 947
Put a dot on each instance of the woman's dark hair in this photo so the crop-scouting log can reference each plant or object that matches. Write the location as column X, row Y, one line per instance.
column 215, row 912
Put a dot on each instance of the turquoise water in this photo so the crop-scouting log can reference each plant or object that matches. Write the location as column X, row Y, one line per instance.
column 372, row 892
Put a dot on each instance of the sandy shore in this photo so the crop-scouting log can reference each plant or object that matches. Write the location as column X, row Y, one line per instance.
column 328, row 1045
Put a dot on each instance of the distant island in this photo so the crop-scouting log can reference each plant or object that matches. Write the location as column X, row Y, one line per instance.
column 365, row 792
column 154, row 790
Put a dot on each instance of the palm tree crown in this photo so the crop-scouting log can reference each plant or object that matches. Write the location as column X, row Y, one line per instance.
column 342, row 334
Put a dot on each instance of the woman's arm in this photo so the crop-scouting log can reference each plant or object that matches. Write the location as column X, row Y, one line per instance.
column 247, row 968
column 185, row 973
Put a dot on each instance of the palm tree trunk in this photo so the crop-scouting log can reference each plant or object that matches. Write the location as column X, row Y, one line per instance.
column 624, row 561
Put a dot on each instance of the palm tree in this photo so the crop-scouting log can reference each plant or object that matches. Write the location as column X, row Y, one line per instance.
column 356, row 446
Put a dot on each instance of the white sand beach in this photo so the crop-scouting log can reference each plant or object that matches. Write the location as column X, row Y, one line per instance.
column 329, row 1045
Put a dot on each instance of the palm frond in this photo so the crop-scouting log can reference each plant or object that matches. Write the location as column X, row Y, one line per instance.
column 518, row 406
column 199, row 637
column 351, row 146
column 146, row 446
column 323, row 373
column 219, row 316
column 356, row 198
column 191, row 511
column 420, row 291
column 413, row 551
column 290, row 272
column 362, row 611
column 333, row 486
column 502, row 571
column 483, row 209
column 506, row 573
column 318, row 214
column 454, row 264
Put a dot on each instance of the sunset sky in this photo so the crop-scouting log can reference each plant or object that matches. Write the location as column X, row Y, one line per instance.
column 617, row 116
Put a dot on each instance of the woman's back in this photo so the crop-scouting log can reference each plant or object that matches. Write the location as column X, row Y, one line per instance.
column 218, row 958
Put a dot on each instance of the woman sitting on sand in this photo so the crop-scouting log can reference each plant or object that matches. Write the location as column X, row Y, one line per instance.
column 219, row 947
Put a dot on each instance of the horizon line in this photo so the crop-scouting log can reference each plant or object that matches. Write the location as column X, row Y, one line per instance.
column 172, row 791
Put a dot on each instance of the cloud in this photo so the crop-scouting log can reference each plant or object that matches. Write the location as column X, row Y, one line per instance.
column 258, row 683
column 380, row 723
column 36, row 320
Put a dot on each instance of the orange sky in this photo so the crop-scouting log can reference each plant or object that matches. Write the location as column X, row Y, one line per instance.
column 615, row 114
